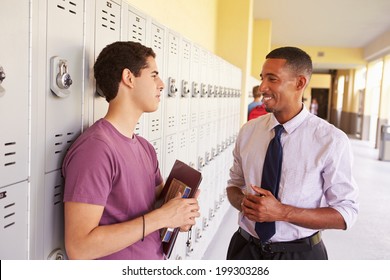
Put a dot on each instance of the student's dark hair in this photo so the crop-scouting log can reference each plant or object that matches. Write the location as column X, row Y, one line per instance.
column 113, row 59
column 296, row 59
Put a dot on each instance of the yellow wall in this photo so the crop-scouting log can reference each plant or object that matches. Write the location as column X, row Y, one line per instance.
column 261, row 44
column 194, row 19
column 234, row 40
column 334, row 56
column 234, row 36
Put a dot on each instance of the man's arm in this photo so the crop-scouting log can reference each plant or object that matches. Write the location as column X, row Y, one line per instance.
column 235, row 196
column 264, row 207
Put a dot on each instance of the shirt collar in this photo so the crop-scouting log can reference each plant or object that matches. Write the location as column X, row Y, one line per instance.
column 292, row 124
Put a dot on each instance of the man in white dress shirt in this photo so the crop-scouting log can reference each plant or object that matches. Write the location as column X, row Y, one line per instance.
column 316, row 191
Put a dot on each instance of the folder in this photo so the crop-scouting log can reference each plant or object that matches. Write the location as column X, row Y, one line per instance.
column 186, row 180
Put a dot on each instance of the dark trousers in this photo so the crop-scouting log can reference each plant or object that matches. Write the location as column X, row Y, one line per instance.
column 241, row 249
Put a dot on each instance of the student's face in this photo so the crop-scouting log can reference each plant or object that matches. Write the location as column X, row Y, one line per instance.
column 148, row 87
column 278, row 86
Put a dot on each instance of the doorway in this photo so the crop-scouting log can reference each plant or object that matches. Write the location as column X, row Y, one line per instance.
column 322, row 97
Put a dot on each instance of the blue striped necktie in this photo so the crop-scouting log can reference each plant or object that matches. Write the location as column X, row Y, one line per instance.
column 270, row 179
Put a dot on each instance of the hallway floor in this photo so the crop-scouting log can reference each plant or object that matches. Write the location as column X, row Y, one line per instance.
column 368, row 239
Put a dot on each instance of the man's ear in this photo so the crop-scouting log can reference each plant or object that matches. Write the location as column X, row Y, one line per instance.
column 301, row 82
column 128, row 78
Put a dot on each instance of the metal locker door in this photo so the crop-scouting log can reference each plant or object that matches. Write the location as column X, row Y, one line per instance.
column 211, row 112
column 170, row 153
column 64, row 96
column 154, row 120
column 182, row 147
column 13, row 222
column 137, row 33
column 157, row 147
column 107, row 30
column 14, row 91
column 53, row 233
column 193, row 147
column 185, row 86
column 172, row 84
column 203, row 102
column 195, row 86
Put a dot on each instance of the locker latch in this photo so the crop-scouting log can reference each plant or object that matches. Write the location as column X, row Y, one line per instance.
column 211, row 214
column 60, row 78
column 203, row 91
column 195, row 89
column 201, row 163
column 210, row 91
column 172, row 89
column 2, row 74
column 185, row 89
column 205, row 223
column 189, row 248
column 198, row 234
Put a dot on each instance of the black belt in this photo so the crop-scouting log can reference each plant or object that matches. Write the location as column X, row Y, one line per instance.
column 299, row 245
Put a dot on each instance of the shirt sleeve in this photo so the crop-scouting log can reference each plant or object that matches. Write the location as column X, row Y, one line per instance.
column 340, row 188
column 88, row 170
column 236, row 173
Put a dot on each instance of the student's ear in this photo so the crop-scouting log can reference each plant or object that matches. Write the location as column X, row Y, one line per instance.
column 128, row 78
column 301, row 82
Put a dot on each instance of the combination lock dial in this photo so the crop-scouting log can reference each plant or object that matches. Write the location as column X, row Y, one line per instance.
column 64, row 81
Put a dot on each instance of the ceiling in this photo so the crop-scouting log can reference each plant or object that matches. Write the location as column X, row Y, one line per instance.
column 325, row 23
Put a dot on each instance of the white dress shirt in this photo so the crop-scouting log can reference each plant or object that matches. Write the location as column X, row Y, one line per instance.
column 316, row 168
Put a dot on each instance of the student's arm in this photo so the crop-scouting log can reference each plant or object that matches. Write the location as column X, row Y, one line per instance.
column 86, row 239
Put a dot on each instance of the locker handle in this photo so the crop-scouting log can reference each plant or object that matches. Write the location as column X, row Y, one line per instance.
column 172, row 87
column 195, row 89
column 185, row 89
column 2, row 74
column 203, row 90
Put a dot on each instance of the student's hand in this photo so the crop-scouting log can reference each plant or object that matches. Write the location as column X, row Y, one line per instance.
column 186, row 228
column 180, row 212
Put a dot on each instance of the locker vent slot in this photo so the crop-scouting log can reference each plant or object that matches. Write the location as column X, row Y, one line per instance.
column 9, row 156
column 155, row 125
column 71, row 6
column 8, row 221
column 182, row 143
column 137, row 31
column 171, row 121
column 173, row 47
column 62, row 142
column 184, row 119
column 193, row 138
column 138, row 129
column 195, row 56
column 186, row 51
column 108, row 20
column 156, row 147
column 157, row 39
column 57, row 195
column 170, row 147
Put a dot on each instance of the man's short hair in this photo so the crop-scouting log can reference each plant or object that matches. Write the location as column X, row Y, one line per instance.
column 296, row 59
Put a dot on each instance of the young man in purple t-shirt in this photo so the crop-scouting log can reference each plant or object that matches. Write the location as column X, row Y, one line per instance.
column 112, row 177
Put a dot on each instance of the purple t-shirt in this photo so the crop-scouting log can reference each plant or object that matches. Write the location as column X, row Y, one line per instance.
column 104, row 167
